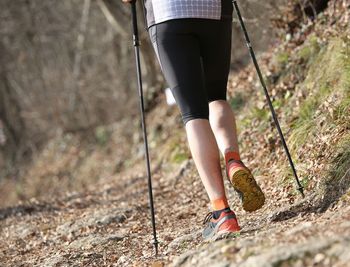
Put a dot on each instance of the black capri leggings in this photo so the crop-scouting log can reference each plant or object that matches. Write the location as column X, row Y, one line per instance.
column 194, row 55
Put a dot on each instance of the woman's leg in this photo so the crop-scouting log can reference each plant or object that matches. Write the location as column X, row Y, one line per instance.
column 216, row 52
column 216, row 64
column 178, row 50
column 206, row 156
column 223, row 124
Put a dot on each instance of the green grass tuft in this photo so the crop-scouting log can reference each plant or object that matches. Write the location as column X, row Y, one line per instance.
column 261, row 114
column 237, row 102
column 324, row 77
column 341, row 162
column 310, row 49
column 282, row 58
column 102, row 135
column 179, row 157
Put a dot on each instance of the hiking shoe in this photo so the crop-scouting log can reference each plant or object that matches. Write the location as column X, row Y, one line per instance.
column 219, row 227
column 244, row 183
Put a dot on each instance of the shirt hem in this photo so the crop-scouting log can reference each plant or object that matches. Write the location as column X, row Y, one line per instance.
column 187, row 17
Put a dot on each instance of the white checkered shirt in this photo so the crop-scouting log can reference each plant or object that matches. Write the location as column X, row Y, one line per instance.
column 175, row 9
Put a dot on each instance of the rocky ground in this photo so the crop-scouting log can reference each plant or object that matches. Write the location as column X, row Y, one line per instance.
column 109, row 228
column 108, row 222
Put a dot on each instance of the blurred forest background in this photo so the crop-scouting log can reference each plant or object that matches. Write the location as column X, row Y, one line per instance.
column 68, row 67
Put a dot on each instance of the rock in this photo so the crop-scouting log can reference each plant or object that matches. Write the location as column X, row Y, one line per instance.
column 52, row 261
column 319, row 249
column 101, row 217
column 207, row 255
column 179, row 261
column 277, row 255
column 157, row 264
column 176, row 243
column 122, row 261
column 299, row 228
column 116, row 237
column 93, row 240
column 118, row 218
column 23, row 230
column 319, row 258
column 341, row 251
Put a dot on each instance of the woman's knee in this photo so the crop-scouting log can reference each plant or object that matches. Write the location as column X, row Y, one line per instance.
column 200, row 114
column 218, row 107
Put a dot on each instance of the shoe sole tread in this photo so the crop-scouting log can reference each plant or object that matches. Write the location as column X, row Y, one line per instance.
column 252, row 196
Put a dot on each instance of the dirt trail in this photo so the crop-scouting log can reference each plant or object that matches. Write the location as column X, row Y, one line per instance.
column 109, row 224
column 110, row 227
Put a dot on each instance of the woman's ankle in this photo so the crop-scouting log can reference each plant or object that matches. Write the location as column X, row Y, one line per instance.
column 230, row 154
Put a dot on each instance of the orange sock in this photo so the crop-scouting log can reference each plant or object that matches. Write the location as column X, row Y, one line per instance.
column 231, row 155
column 219, row 204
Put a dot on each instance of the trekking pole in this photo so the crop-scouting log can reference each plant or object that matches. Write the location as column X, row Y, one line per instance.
column 143, row 121
column 300, row 188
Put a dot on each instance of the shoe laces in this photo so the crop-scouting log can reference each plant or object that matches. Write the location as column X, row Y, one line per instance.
column 208, row 217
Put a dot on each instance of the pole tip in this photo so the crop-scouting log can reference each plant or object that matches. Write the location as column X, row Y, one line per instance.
column 301, row 190
column 155, row 243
